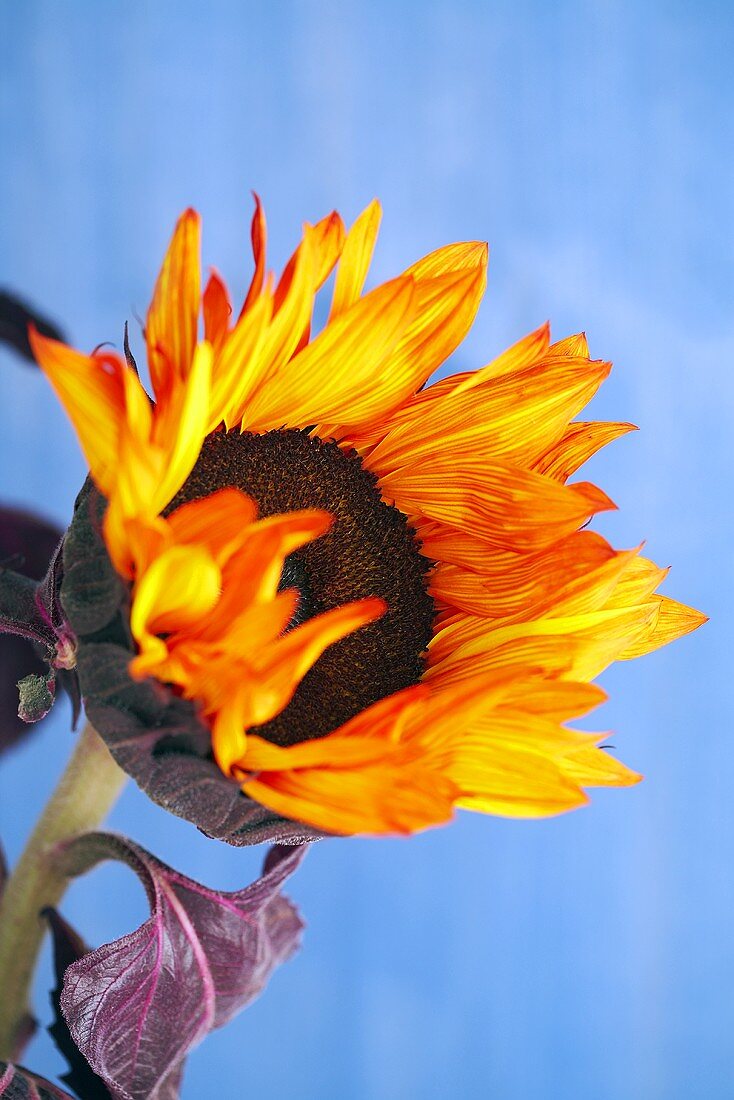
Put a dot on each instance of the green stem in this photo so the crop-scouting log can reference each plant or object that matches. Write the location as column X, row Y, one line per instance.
column 85, row 794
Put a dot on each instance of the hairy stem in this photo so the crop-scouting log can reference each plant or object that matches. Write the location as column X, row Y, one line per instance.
column 85, row 793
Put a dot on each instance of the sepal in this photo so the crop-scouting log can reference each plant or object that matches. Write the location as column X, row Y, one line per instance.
column 35, row 639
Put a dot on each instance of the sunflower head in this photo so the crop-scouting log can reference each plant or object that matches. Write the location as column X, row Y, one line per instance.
column 312, row 592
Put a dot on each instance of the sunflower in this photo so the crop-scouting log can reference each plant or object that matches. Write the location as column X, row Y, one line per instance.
column 378, row 597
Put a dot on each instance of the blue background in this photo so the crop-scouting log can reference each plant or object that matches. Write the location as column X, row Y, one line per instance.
column 592, row 144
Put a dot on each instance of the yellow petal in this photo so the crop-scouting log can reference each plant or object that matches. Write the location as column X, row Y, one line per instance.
column 339, row 373
column 237, row 364
column 355, row 259
column 180, row 588
column 288, row 324
column 594, row 767
column 186, row 427
column 517, row 784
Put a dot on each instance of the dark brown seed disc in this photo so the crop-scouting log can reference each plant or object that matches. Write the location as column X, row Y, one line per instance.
column 369, row 551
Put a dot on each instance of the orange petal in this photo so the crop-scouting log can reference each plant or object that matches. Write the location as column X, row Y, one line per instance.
column 277, row 669
column 571, row 345
column 327, row 241
column 288, row 323
column 507, row 506
column 217, row 522
column 500, row 583
column 579, row 443
column 259, row 236
column 348, row 782
column 523, row 354
column 281, row 668
column 519, row 356
column 446, row 306
column 254, row 573
column 171, row 325
column 382, row 798
column 217, row 310
column 556, row 700
column 638, row 582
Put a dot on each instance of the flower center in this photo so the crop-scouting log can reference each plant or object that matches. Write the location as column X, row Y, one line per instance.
column 369, row 551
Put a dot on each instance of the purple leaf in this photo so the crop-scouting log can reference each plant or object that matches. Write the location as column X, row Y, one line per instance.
column 136, row 1007
column 69, row 948
column 17, row 1083
column 15, row 317
column 154, row 735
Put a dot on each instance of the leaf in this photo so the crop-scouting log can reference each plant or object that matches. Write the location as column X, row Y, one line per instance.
column 15, row 317
column 28, row 544
column 17, row 1083
column 136, row 1007
column 154, row 735
column 69, row 948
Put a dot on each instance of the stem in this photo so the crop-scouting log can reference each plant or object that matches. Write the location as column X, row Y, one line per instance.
column 85, row 794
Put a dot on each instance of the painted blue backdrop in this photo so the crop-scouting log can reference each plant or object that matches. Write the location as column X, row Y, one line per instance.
column 592, row 144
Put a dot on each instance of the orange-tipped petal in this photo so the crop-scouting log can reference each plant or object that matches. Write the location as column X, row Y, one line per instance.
column 673, row 620
column 514, row 417
column 593, row 767
column 462, row 256
column 92, row 390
